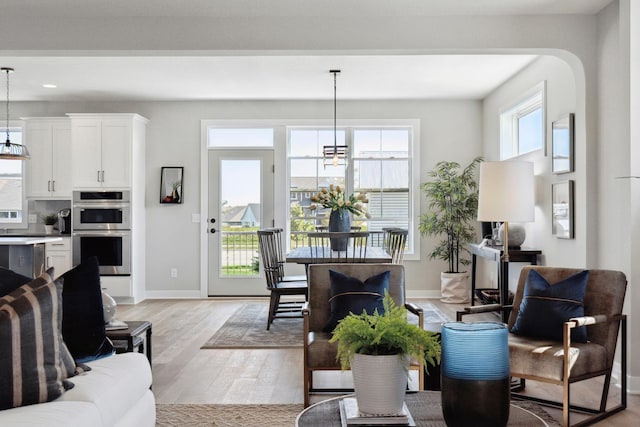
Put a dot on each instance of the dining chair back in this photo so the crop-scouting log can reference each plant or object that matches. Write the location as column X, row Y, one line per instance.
column 271, row 265
column 354, row 252
column 396, row 243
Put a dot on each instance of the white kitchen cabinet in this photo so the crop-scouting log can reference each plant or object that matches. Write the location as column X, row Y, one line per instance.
column 58, row 255
column 49, row 169
column 103, row 146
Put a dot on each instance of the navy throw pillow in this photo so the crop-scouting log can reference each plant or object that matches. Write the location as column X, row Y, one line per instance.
column 10, row 281
column 82, row 315
column 351, row 295
column 546, row 307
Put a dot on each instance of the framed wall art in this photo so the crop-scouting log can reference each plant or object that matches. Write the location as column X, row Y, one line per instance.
column 171, row 184
column 562, row 144
column 562, row 209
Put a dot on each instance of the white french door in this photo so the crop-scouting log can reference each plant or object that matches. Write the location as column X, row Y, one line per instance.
column 240, row 201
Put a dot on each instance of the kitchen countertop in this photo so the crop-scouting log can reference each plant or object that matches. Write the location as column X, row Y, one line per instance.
column 23, row 241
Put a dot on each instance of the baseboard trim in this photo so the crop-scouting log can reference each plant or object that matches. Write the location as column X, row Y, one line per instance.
column 423, row 294
column 173, row 294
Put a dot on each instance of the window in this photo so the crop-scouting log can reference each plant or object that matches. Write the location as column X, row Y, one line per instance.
column 522, row 125
column 380, row 164
column 11, row 185
column 239, row 138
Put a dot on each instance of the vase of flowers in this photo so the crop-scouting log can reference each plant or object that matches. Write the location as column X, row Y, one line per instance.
column 342, row 206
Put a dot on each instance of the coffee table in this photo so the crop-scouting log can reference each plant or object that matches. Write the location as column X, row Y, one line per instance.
column 425, row 409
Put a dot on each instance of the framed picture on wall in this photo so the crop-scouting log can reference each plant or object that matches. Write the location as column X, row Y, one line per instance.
column 562, row 141
column 171, row 184
column 562, row 209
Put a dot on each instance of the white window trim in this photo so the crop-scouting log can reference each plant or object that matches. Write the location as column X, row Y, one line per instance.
column 524, row 105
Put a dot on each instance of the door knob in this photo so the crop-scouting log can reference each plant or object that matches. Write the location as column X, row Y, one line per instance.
column 213, row 230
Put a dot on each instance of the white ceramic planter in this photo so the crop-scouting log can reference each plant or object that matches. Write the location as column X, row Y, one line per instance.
column 380, row 383
column 454, row 287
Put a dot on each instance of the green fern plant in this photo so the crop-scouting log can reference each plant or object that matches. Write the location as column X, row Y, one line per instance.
column 384, row 334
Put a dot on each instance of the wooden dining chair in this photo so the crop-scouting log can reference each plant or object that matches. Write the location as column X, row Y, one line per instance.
column 281, row 258
column 321, row 252
column 267, row 242
column 395, row 244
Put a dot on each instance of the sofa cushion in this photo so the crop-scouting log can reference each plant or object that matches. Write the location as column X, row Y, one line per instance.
column 113, row 385
column 83, row 318
column 545, row 307
column 352, row 295
column 31, row 366
column 10, row 281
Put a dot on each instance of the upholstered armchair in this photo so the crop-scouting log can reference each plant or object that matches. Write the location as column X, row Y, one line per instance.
column 319, row 353
column 565, row 361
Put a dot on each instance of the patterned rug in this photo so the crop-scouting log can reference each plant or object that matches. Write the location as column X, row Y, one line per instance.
column 188, row 415
column 247, row 328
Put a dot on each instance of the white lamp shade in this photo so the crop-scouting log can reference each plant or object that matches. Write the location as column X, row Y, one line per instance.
column 506, row 192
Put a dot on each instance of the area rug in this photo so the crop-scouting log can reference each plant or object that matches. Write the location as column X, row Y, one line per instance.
column 189, row 415
column 247, row 328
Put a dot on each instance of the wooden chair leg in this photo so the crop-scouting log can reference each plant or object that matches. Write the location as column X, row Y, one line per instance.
column 273, row 307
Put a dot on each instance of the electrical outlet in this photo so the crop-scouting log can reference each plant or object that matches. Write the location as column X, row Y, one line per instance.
column 33, row 219
column 174, row 273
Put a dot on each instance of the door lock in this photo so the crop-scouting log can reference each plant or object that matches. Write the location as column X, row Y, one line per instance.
column 213, row 230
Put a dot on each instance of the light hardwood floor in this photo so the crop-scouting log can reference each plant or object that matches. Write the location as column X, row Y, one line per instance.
column 183, row 373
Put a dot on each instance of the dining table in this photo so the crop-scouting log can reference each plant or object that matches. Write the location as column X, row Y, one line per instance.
column 302, row 255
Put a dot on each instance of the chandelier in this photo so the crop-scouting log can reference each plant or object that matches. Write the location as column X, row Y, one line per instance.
column 9, row 150
column 335, row 154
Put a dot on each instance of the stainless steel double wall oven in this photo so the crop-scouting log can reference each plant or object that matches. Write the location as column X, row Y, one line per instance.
column 102, row 228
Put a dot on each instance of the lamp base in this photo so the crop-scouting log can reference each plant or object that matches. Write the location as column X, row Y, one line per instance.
column 517, row 235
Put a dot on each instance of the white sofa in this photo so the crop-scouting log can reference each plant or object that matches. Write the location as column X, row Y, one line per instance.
column 115, row 393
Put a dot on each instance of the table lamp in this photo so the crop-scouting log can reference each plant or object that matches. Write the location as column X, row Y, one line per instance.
column 506, row 193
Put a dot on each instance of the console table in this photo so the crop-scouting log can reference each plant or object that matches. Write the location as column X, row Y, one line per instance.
column 494, row 253
column 426, row 410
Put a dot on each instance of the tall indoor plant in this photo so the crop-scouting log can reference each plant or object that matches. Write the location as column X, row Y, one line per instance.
column 452, row 203
column 377, row 348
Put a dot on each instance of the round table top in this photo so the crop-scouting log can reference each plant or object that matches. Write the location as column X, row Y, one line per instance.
column 426, row 410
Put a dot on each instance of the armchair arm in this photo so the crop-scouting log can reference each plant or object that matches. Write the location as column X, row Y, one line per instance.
column 481, row 309
column 589, row 320
column 416, row 310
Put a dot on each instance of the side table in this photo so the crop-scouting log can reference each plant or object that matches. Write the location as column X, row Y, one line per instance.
column 133, row 336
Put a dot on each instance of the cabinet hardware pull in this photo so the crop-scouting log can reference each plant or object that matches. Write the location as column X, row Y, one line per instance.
column 49, row 185
column 53, row 185
column 98, row 176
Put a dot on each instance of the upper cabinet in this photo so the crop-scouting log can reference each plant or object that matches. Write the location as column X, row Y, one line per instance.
column 103, row 149
column 49, row 169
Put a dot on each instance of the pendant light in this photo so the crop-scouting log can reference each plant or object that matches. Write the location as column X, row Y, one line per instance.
column 335, row 154
column 9, row 150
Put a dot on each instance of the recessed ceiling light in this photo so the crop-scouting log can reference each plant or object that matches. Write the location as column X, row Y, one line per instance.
column 49, row 86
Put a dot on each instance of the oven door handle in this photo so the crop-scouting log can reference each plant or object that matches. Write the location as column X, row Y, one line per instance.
column 98, row 233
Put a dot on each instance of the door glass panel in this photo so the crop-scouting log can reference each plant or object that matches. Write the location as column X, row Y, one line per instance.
column 240, row 182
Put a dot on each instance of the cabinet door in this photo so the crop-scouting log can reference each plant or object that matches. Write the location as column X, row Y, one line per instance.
column 58, row 255
column 61, row 261
column 116, row 153
column 61, row 156
column 86, row 142
column 38, row 168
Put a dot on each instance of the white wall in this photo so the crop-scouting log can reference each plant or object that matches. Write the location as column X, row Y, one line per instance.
column 560, row 100
column 449, row 130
